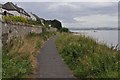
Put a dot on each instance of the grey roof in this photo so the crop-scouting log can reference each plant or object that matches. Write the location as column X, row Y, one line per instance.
column 23, row 11
column 11, row 7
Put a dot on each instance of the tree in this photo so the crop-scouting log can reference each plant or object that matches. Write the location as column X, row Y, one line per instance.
column 64, row 29
column 57, row 24
column 54, row 23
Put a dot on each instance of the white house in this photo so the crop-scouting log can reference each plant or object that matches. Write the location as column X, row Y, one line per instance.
column 23, row 13
column 1, row 12
column 10, row 8
column 32, row 17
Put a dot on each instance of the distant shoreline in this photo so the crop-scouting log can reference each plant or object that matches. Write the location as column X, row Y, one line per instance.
column 100, row 28
column 101, row 39
column 93, row 29
column 76, row 33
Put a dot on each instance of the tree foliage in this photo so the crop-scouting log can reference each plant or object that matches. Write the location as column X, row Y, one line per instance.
column 54, row 23
column 64, row 29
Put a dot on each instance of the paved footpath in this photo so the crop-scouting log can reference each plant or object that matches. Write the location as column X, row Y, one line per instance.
column 50, row 63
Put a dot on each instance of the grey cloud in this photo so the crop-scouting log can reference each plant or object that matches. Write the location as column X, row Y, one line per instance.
column 67, row 13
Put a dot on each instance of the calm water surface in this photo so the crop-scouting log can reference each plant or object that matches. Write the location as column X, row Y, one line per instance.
column 109, row 37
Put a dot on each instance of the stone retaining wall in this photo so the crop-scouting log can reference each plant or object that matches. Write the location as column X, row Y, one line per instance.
column 9, row 31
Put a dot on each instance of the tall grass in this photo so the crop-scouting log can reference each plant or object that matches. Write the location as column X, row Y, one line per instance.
column 15, row 19
column 19, row 56
column 87, row 58
column 19, row 19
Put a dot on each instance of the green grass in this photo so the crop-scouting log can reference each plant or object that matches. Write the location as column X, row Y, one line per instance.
column 87, row 58
column 15, row 67
column 19, row 55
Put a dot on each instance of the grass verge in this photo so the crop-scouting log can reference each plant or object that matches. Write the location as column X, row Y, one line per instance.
column 87, row 58
column 19, row 55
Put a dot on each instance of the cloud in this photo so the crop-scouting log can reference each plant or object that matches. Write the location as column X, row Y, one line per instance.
column 98, row 20
column 60, row 0
column 58, row 5
column 76, row 14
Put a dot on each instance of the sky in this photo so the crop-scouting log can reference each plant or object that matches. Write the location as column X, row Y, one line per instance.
column 77, row 14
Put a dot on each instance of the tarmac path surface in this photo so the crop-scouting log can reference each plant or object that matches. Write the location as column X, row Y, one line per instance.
column 50, row 63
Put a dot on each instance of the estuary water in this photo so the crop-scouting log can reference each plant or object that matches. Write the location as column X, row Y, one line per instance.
column 108, row 37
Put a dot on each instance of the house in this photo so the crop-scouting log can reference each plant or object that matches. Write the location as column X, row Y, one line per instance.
column 10, row 8
column 0, row 12
column 32, row 17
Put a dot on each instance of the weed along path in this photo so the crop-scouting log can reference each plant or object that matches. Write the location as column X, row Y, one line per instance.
column 50, row 64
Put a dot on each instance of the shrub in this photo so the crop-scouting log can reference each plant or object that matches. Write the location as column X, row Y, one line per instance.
column 64, row 29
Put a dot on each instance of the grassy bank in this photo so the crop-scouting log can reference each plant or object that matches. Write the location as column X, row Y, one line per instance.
column 86, row 58
column 19, row 55
column 20, row 20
